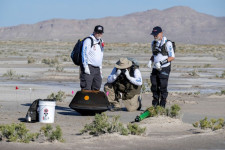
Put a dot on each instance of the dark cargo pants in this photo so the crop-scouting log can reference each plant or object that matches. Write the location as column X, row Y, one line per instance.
column 159, row 80
column 90, row 81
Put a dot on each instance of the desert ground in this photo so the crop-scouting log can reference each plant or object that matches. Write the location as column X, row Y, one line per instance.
column 197, row 84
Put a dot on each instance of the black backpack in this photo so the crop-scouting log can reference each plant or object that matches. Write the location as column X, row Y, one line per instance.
column 77, row 50
column 32, row 113
column 163, row 48
column 174, row 45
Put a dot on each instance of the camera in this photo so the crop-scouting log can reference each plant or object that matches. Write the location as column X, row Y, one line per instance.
column 123, row 71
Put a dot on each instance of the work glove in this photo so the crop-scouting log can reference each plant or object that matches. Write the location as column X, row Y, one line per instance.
column 87, row 70
column 118, row 72
column 158, row 66
column 101, row 72
column 150, row 64
column 127, row 74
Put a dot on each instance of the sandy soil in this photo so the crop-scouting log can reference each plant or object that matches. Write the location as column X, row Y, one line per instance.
column 196, row 94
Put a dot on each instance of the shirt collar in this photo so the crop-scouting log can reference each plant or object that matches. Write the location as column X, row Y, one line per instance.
column 94, row 39
column 164, row 39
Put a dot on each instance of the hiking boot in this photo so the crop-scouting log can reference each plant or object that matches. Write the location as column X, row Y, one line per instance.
column 155, row 102
column 139, row 100
column 115, row 109
column 163, row 103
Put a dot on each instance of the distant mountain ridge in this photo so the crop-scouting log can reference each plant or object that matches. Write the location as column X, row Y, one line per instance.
column 180, row 24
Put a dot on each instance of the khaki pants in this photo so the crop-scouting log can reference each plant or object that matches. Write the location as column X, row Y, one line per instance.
column 131, row 104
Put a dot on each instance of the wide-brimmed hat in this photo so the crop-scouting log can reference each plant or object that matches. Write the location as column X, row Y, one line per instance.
column 123, row 63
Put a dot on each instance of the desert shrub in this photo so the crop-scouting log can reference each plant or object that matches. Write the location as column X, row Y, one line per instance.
column 50, row 62
column 30, row 60
column 10, row 73
column 17, row 133
column 59, row 68
column 124, row 131
column 99, row 126
column 160, row 110
column 102, row 125
column 152, row 111
column 196, row 66
column 213, row 121
column 46, row 130
column 51, row 134
column 58, row 97
column 134, row 129
column 197, row 93
column 207, row 65
column 212, row 124
column 167, row 111
column 66, row 58
column 204, row 123
column 146, row 86
column 57, row 134
column 221, row 76
column 193, row 73
column 222, row 92
column 115, row 125
column 196, row 124
column 143, row 88
column 172, row 112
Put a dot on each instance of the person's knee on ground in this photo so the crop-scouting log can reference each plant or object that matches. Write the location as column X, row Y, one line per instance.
column 110, row 93
column 132, row 104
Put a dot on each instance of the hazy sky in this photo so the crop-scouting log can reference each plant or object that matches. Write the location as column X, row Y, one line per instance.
column 15, row 12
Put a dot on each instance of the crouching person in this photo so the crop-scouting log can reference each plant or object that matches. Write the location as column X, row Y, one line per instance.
column 124, row 83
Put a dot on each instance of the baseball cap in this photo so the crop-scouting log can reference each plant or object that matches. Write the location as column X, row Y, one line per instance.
column 156, row 30
column 99, row 29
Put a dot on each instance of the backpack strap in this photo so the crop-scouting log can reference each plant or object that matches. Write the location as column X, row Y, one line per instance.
column 164, row 51
column 92, row 41
column 173, row 45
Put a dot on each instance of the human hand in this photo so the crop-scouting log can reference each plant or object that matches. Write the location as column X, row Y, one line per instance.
column 127, row 74
column 158, row 66
column 87, row 70
column 150, row 64
column 101, row 72
column 118, row 72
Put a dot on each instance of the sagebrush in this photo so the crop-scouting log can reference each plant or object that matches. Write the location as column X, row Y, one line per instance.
column 101, row 125
column 60, row 96
column 172, row 112
column 51, row 134
column 213, row 124
column 19, row 133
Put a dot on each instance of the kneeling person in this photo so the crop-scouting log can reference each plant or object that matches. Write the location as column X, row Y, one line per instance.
column 124, row 83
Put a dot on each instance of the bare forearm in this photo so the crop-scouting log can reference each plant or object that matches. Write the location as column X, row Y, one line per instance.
column 170, row 59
